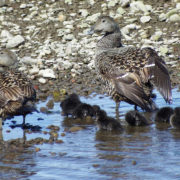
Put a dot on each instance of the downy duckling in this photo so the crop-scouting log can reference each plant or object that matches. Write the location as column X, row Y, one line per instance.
column 83, row 110
column 134, row 118
column 105, row 122
column 163, row 114
column 175, row 118
column 69, row 104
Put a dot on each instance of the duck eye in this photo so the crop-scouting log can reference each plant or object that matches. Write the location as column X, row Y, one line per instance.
column 103, row 20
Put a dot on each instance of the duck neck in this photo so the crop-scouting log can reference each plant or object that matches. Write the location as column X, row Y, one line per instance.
column 110, row 40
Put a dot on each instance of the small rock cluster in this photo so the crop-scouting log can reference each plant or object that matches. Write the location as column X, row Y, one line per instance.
column 51, row 41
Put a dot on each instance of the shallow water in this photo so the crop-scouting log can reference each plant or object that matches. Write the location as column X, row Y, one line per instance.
column 151, row 152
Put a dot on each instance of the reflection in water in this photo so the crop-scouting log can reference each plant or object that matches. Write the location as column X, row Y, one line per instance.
column 150, row 152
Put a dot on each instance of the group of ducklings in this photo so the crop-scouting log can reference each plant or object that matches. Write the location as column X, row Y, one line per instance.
column 72, row 106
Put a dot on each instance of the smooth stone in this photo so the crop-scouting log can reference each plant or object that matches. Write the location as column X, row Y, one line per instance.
column 42, row 80
column 68, row 2
column 61, row 17
column 174, row 18
column 137, row 6
column 3, row 3
column 6, row 34
column 23, row 6
column 29, row 60
column 163, row 50
column 112, row 3
column 120, row 11
column 83, row 12
column 93, row 18
column 162, row 17
column 157, row 36
column 15, row 41
column 171, row 12
column 124, row 3
column 34, row 70
column 48, row 73
column 145, row 19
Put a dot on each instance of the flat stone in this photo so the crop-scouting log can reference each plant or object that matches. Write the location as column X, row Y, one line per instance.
column 145, row 19
column 15, row 41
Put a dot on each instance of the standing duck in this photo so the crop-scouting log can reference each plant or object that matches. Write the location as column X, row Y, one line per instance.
column 15, row 88
column 129, row 73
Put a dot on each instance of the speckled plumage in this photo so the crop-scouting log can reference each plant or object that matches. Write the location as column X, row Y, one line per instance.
column 15, row 91
column 15, row 88
column 129, row 73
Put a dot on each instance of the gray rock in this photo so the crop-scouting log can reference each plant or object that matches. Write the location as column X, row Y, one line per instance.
column 3, row 3
column 48, row 73
column 15, row 41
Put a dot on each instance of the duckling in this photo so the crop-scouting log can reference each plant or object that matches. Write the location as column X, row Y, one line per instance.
column 69, row 104
column 83, row 110
column 105, row 122
column 129, row 73
column 134, row 118
column 16, row 90
column 175, row 118
column 163, row 114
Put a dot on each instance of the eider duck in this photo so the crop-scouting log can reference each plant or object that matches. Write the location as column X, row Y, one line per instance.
column 175, row 118
column 69, row 104
column 135, row 118
column 164, row 114
column 16, row 90
column 129, row 73
column 105, row 122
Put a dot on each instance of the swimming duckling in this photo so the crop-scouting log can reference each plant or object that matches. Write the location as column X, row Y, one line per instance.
column 163, row 114
column 134, row 118
column 15, row 88
column 175, row 118
column 83, row 110
column 69, row 104
column 129, row 73
column 105, row 122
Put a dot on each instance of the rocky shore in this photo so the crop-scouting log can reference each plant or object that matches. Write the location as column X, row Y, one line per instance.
column 50, row 38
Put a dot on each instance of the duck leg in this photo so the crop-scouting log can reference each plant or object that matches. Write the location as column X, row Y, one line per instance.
column 24, row 117
column 117, row 110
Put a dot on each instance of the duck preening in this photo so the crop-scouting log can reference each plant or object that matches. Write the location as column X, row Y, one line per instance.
column 15, row 88
column 105, row 122
column 129, row 73
column 135, row 118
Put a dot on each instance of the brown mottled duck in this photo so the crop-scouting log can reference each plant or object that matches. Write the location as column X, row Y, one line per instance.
column 16, row 90
column 129, row 73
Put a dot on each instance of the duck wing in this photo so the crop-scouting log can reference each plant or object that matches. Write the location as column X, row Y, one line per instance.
column 156, row 71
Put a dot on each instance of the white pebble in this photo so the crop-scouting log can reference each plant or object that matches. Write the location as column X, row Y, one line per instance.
column 42, row 80
column 15, row 41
